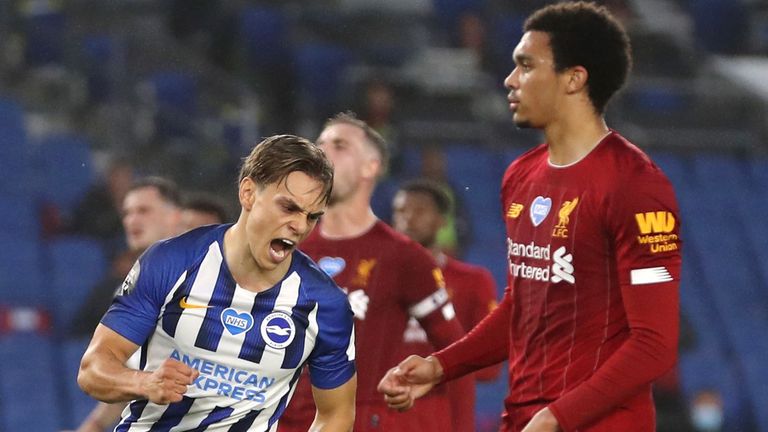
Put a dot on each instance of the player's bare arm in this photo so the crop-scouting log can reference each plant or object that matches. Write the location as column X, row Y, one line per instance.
column 335, row 408
column 104, row 376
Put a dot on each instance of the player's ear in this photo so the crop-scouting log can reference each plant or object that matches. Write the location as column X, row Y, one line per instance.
column 371, row 168
column 577, row 79
column 247, row 193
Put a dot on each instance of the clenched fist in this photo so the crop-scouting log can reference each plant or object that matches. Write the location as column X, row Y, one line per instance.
column 168, row 383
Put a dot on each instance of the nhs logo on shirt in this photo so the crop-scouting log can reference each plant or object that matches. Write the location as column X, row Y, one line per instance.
column 540, row 209
column 278, row 330
column 332, row 265
column 236, row 323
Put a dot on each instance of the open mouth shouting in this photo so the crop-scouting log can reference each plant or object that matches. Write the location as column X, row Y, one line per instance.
column 280, row 249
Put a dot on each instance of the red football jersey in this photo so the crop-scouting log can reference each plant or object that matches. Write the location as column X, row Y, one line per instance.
column 472, row 291
column 389, row 279
column 591, row 309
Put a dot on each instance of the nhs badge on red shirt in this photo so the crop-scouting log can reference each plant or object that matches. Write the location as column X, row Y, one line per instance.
column 540, row 209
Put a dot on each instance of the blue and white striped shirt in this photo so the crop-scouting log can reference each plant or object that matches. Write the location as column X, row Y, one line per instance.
column 180, row 301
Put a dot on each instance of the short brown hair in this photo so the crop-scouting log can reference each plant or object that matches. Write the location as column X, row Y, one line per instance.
column 166, row 188
column 274, row 158
column 586, row 34
column 374, row 138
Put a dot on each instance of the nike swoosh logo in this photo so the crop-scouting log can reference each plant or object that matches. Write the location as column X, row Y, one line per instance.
column 184, row 305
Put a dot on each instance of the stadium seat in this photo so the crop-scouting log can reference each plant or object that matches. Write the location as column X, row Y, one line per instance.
column 475, row 175
column 76, row 264
column 18, row 215
column 489, row 401
column 320, row 69
column 264, row 35
column 506, row 30
column 448, row 12
column 77, row 403
column 491, row 254
column 756, row 369
column 655, row 102
column 21, row 271
column 721, row 26
column 28, row 391
column 45, row 37
column 759, row 171
column 98, row 58
column 174, row 96
column 11, row 113
column 722, row 172
column 710, row 370
column 65, row 168
column 675, row 167
column 14, row 150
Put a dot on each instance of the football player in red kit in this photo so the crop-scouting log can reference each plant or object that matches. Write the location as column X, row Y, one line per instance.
column 418, row 211
column 389, row 279
column 590, row 316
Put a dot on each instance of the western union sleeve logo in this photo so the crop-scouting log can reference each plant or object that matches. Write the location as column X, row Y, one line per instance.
column 655, row 222
column 656, row 231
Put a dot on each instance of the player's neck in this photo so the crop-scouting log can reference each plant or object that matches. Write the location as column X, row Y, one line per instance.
column 347, row 219
column 572, row 138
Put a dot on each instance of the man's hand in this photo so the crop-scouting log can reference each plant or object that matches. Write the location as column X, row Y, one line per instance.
column 169, row 382
column 543, row 421
column 411, row 379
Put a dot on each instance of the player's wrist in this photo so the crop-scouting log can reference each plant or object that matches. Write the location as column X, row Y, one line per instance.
column 142, row 385
column 437, row 368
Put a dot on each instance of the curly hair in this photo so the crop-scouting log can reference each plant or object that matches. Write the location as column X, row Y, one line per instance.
column 586, row 34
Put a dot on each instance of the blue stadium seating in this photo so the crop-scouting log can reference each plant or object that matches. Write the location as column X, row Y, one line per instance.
column 264, row 34
column 176, row 101
column 475, row 174
column 28, row 384
column 21, row 281
column 65, row 168
column 721, row 26
column 45, row 37
column 76, row 264
column 319, row 69
column 506, row 31
column 448, row 12
column 675, row 167
column 14, row 150
column 99, row 53
column 489, row 402
column 77, row 403
column 18, row 215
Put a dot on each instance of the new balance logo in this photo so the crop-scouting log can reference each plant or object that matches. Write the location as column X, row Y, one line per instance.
column 657, row 222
